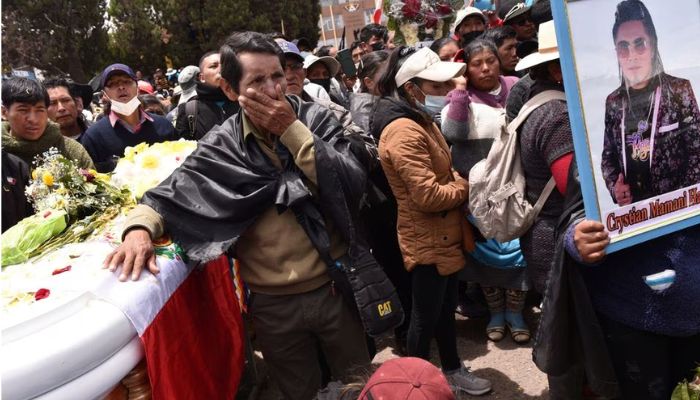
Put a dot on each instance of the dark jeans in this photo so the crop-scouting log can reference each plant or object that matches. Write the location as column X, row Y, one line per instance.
column 647, row 365
column 433, row 315
column 291, row 329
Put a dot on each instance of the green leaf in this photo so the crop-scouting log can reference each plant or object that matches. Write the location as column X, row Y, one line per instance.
column 22, row 239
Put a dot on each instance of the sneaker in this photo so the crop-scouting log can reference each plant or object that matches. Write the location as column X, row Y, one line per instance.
column 463, row 380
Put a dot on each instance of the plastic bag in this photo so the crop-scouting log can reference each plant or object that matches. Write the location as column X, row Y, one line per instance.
column 30, row 233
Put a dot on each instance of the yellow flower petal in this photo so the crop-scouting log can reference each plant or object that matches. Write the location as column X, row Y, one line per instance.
column 47, row 178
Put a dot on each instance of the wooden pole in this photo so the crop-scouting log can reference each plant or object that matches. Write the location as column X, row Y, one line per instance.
column 323, row 29
column 335, row 36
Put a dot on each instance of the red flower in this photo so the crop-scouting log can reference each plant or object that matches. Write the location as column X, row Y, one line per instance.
column 41, row 294
column 430, row 20
column 89, row 176
column 61, row 270
column 444, row 9
column 411, row 9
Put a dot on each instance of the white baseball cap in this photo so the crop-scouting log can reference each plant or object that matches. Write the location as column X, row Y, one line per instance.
column 425, row 64
column 331, row 63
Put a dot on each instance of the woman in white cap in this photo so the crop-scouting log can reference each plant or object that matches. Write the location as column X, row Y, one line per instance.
column 429, row 195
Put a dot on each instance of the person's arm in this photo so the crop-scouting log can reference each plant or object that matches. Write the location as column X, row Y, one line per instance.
column 143, row 224
column 586, row 241
column 610, row 163
column 299, row 140
column 691, row 134
column 408, row 152
column 455, row 122
column 560, row 171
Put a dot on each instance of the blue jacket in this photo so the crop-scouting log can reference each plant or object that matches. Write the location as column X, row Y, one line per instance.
column 105, row 143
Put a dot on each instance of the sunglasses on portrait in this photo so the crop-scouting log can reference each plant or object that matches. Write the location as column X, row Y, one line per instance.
column 623, row 47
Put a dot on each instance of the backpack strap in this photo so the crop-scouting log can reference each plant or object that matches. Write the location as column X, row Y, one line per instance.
column 548, row 189
column 525, row 111
column 533, row 104
column 191, row 114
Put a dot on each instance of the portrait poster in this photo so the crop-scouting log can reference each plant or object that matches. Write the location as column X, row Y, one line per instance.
column 632, row 75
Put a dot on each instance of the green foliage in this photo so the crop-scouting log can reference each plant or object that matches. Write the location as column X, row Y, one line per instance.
column 148, row 31
column 81, row 37
column 59, row 36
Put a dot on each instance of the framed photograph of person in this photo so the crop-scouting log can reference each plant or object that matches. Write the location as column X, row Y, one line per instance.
column 631, row 72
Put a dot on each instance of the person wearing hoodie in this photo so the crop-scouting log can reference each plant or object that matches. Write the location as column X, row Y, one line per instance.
column 26, row 129
column 210, row 107
column 429, row 196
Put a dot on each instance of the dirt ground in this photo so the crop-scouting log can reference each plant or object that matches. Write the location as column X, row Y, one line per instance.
column 509, row 366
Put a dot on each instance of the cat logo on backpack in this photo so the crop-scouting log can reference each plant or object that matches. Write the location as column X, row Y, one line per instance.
column 384, row 308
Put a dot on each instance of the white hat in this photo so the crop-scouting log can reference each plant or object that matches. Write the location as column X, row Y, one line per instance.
column 425, row 64
column 547, row 49
column 466, row 12
column 331, row 63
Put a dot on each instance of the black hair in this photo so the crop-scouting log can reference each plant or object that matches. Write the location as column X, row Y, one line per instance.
column 374, row 30
column 245, row 42
column 23, row 90
column 370, row 65
column 477, row 46
column 499, row 35
column 355, row 45
column 303, row 44
column 324, row 51
column 635, row 10
column 540, row 72
column 52, row 83
column 440, row 43
column 202, row 58
column 149, row 99
column 276, row 35
column 387, row 82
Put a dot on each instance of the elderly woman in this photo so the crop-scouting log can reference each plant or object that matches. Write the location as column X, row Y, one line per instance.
column 429, row 194
column 652, row 122
column 474, row 117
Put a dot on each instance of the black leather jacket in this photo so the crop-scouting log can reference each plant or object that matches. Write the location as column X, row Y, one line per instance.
column 227, row 182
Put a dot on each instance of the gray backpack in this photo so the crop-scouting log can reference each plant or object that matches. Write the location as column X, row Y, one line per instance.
column 497, row 183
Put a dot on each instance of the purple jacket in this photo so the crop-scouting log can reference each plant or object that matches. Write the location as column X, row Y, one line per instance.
column 675, row 158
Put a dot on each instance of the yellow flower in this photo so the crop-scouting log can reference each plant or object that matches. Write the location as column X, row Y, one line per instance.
column 47, row 178
column 34, row 174
column 149, row 161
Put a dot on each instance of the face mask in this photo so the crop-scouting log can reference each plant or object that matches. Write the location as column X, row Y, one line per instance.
column 433, row 104
column 325, row 83
column 127, row 108
column 376, row 46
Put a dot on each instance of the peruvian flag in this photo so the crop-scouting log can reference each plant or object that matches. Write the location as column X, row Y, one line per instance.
column 194, row 346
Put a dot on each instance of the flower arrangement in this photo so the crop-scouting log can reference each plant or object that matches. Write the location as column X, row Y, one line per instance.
column 688, row 390
column 145, row 166
column 58, row 184
column 416, row 20
column 71, row 204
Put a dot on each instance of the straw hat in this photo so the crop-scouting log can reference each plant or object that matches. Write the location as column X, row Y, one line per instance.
column 547, row 49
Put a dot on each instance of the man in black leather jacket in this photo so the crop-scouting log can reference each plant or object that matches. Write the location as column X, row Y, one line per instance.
column 210, row 106
column 279, row 184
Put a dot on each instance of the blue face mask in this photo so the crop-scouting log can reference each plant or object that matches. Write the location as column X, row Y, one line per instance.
column 433, row 104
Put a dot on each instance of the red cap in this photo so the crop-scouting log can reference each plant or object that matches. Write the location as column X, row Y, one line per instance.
column 145, row 87
column 407, row 378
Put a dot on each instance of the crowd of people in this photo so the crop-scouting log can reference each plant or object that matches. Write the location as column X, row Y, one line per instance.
column 303, row 160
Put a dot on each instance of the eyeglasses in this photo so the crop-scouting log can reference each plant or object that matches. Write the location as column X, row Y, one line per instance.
column 293, row 66
column 640, row 46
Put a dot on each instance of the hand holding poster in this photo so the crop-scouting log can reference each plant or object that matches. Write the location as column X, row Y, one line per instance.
column 631, row 66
